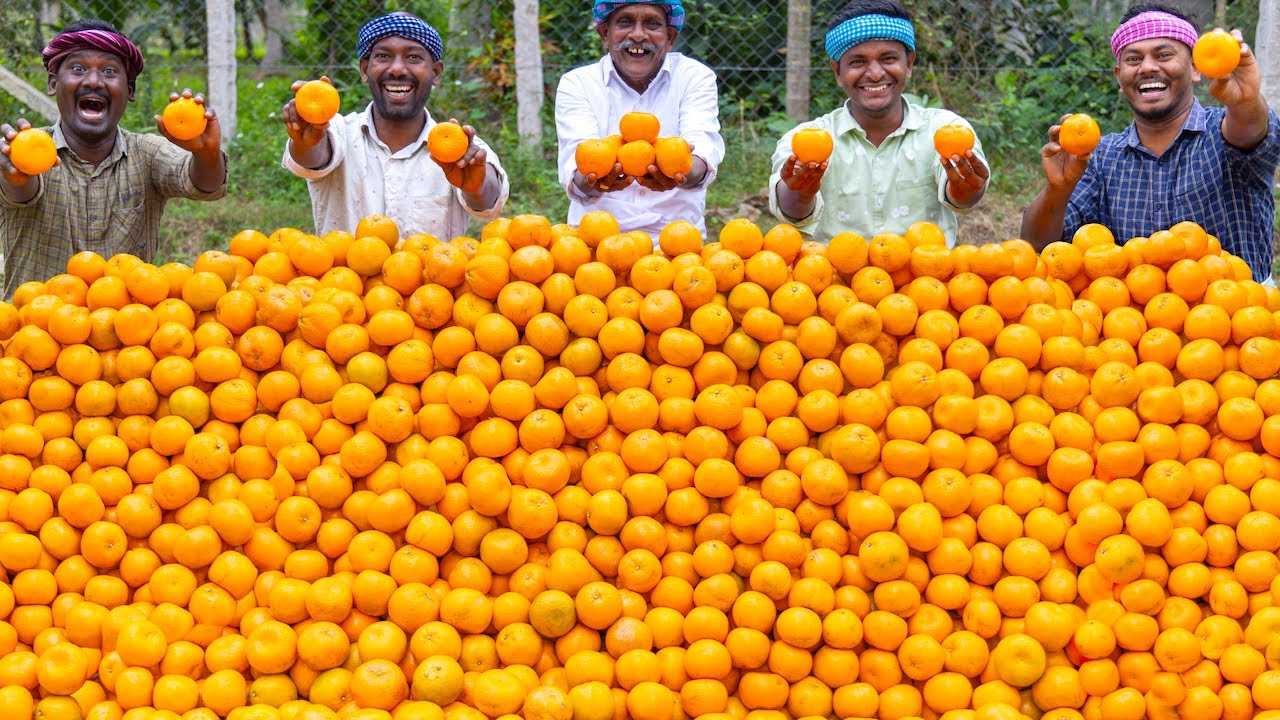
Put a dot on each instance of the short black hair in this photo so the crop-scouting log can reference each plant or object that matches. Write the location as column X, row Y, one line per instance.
column 1139, row 8
column 856, row 8
column 88, row 24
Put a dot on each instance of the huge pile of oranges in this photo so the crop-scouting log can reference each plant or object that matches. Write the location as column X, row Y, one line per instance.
column 552, row 474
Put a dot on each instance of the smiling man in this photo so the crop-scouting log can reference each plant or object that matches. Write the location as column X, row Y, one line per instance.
column 110, row 186
column 376, row 161
column 640, row 73
column 1178, row 160
column 883, row 174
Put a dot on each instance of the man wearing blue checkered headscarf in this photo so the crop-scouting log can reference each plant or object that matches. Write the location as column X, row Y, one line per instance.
column 883, row 174
column 640, row 73
column 377, row 161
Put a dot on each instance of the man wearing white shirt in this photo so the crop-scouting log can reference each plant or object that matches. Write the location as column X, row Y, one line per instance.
column 640, row 74
column 376, row 161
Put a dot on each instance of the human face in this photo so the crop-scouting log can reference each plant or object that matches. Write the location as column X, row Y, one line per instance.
column 638, row 38
column 874, row 75
column 92, row 92
column 400, row 74
column 1157, row 78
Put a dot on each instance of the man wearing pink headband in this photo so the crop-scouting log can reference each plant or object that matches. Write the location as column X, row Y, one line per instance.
column 1178, row 160
column 110, row 186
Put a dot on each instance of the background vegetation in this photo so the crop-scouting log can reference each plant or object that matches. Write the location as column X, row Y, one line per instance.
column 1010, row 66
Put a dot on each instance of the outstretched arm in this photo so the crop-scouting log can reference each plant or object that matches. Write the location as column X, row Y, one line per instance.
column 1042, row 221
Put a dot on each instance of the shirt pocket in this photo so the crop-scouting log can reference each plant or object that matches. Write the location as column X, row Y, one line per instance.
column 124, row 233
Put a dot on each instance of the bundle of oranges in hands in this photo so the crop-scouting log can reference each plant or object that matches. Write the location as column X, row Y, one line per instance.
column 637, row 147
column 32, row 151
column 953, row 140
column 1216, row 54
column 317, row 101
column 184, row 118
column 551, row 473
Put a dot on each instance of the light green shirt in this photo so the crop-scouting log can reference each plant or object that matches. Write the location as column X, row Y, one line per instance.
column 869, row 189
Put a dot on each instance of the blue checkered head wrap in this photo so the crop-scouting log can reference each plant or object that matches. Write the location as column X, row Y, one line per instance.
column 404, row 25
column 860, row 29
column 675, row 10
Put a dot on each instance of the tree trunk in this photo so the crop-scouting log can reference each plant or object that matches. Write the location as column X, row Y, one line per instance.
column 221, row 54
column 48, row 16
column 246, row 30
column 1267, row 47
column 798, row 70
column 273, row 29
column 528, row 73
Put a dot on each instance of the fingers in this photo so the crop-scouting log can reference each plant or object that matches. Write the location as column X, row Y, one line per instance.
column 297, row 85
column 325, row 78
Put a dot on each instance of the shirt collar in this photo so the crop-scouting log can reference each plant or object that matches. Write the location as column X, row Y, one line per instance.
column 1197, row 121
column 609, row 72
column 119, row 150
column 912, row 119
column 366, row 122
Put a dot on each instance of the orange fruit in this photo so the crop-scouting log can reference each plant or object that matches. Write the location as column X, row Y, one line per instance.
column 812, row 145
column 1079, row 134
column 1216, row 54
column 596, row 157
column 639, row 126
column 317, row 102
column 636, row 157
column 952, row 140
column 184, row 118
column 447, row 142
column 32, row 152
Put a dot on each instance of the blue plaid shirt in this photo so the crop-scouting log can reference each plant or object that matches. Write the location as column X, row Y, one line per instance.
column 1200, row 177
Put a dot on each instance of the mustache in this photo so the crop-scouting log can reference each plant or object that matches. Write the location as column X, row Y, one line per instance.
column 627, row 44
column 91, row 92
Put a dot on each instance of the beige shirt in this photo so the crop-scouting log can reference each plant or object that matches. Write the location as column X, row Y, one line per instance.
column 364, row 177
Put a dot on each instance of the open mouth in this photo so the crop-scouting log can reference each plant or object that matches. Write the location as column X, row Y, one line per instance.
column 1152, row 88
column 92, row 107
column 397, row 90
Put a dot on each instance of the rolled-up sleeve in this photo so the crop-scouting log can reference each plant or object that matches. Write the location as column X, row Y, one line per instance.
column 700, row 120
column 171, row 173
column 337, row 131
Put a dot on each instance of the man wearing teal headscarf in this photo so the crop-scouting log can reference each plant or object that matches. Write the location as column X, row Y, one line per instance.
column 639, row 72
column 884, row 174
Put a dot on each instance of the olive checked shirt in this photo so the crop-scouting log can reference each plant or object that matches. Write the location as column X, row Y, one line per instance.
column 112, row 208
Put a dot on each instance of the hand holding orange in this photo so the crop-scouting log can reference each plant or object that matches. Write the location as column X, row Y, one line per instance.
column 812, row 145
column 317, row 101
column 953, row 140
column 596, row 156
column 184, row 118
column 447, row 142
column 674, row 156
column 1216, row 54
column 1079, row 134
column 32, row 151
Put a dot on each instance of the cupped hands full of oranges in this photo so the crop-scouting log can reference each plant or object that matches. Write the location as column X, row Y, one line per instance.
column 636, row 148
column 551, row 473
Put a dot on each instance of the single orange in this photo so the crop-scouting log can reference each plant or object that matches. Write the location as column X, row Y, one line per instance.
column 674, row 157
column 1216, row 54
column 447, row 142
column 639, row 126
column 184, row 118
column 317, row 101
column 636, row 157
column 812, row 145
column 953, row 140
column 596, row 157
column 32, row 151
column 1079, row 134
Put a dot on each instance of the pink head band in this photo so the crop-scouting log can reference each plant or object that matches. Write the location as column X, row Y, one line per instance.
column 1153, row 24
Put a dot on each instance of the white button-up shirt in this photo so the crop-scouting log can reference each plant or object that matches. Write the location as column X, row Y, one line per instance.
column 364, row 177
column 591, row 101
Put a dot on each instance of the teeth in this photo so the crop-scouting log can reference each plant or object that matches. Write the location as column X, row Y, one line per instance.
column 876, row 88
column 1152, row 86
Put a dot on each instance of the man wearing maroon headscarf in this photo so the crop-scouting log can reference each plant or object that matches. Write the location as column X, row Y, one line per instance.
column 110, row 186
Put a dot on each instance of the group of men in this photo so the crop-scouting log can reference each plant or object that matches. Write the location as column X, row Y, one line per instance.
column 1177, row 161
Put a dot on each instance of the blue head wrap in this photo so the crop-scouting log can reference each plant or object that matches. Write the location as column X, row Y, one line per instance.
column 862, row 28
column 404, row 25
column 675, row 10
